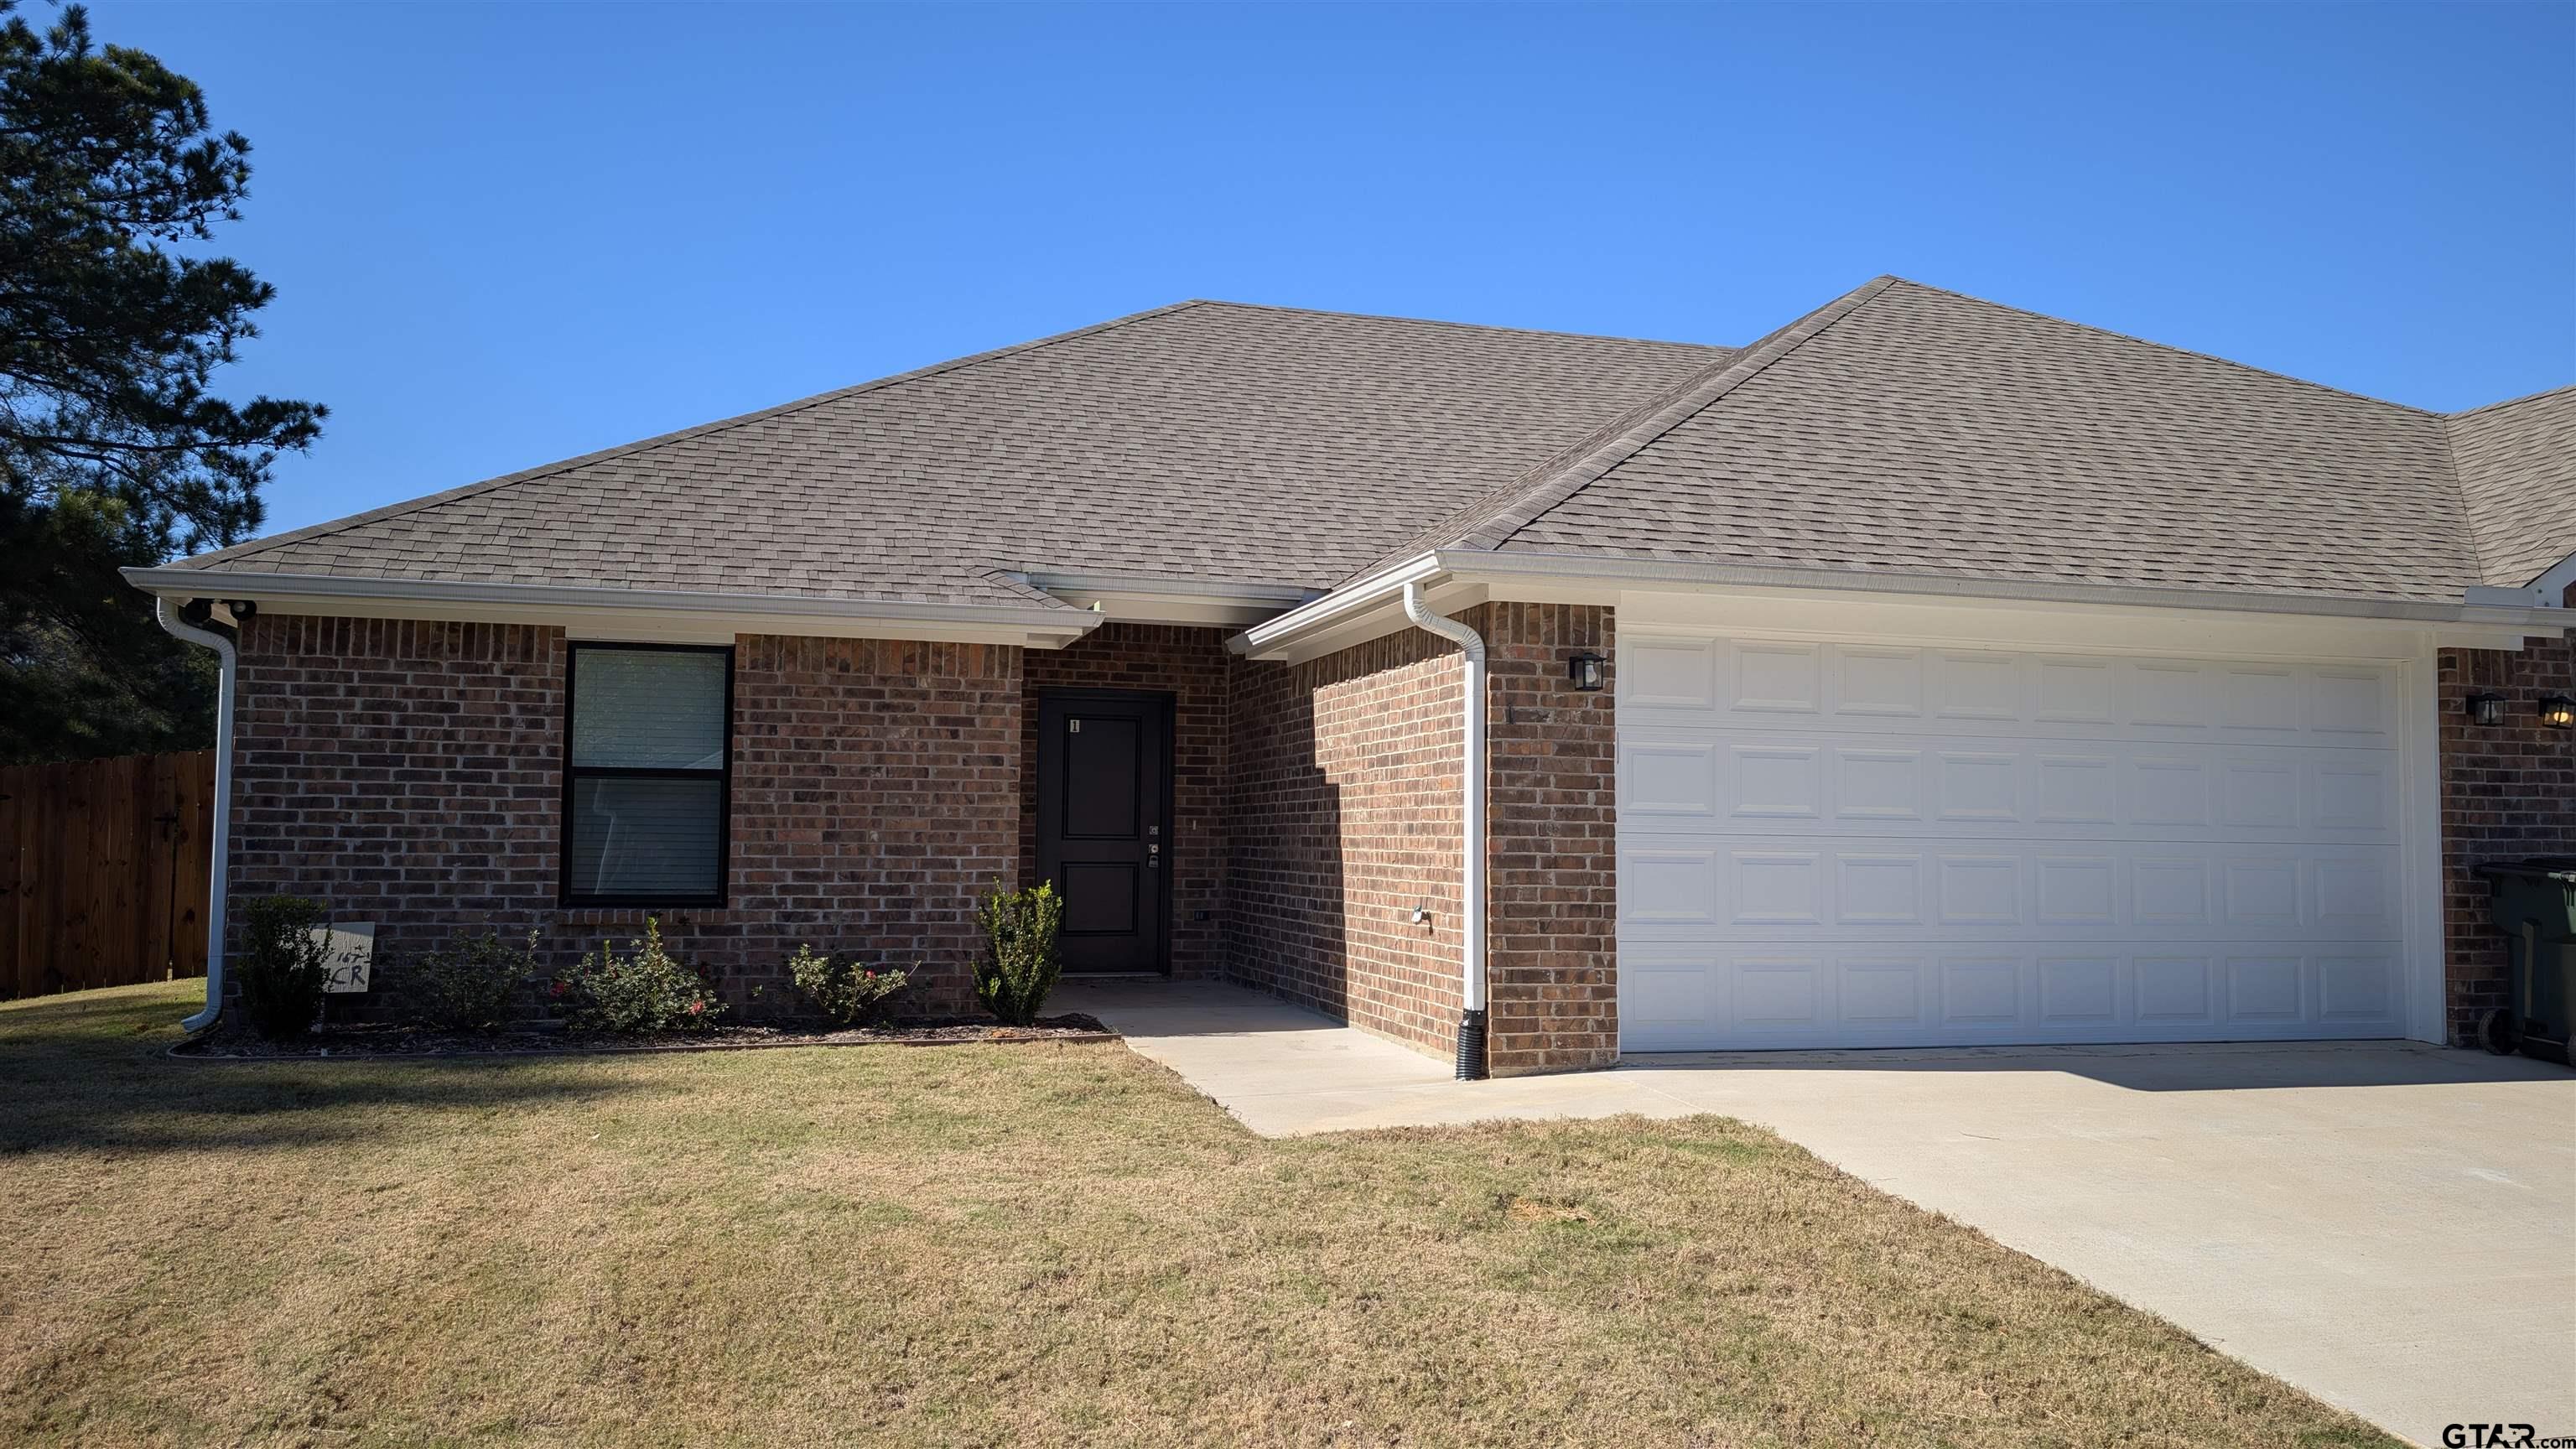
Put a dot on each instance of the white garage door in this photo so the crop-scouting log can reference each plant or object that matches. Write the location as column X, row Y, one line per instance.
column 1842, row 844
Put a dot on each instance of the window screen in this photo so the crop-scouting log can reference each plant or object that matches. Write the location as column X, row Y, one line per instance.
column 645, row 784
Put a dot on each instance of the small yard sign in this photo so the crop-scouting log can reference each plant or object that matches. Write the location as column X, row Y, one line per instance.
column 353, row 951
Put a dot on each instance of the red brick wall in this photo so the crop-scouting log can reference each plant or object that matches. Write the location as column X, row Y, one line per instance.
column 398, row 771
column 876, row 792
column 1552, row 874
column 1347, row 779
column 2508, row 791
column 1345, row 776
column 1191, row 665
column 409, row 773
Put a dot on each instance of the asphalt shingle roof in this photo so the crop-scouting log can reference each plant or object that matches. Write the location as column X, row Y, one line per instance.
column 1910, row 430
column 1207, row 441
column 1898, row 429
column 2517, row 468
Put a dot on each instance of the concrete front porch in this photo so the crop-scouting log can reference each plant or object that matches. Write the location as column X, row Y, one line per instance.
column 2387, row 1225
column 1285, row 1071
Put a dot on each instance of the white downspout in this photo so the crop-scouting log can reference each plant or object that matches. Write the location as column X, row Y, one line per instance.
column 215, row 888
column 1471, row 1022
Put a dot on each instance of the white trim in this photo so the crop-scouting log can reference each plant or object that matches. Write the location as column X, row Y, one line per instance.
column 1152, row 599
column 640, row 615
column 2419, row 836
column 1365, row 608
column 1361, row 596
column 1276, row 595
column 2004, row 623
column 2546, row 591
column 2553, row 585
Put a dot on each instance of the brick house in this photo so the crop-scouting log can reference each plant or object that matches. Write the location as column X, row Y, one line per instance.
column 1926, row 672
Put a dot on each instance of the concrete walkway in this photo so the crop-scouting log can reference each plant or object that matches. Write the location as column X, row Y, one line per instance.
column 2389, row 1226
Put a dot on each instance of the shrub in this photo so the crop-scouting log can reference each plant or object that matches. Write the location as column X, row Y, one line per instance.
column 1018, row 966
column 284, row 966
column 842, row 989
column 469, row 984
column 647, row 989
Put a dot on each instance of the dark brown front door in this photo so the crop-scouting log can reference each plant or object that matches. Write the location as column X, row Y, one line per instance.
column 1104, row 824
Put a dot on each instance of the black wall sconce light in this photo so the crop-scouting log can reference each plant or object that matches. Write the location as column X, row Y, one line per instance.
column 1585, row 671
column 2558, row 711
column 2486, row 709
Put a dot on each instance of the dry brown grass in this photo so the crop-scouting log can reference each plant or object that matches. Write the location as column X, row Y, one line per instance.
column 979, row 1245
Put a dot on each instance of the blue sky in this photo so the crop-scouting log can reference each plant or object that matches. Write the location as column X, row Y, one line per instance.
column 504, row 235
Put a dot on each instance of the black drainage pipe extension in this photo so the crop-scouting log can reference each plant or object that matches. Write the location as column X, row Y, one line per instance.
column 1471, row 1046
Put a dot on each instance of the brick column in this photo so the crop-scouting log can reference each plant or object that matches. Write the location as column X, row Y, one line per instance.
column 1551, row 928
column 2508, row 791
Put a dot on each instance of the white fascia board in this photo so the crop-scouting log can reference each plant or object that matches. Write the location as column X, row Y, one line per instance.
column 1361, row 602
column 1628, row 573
column 657, row 615
column 2547, row 591
column 1150, row 599
column 1363, row 609
column 1819, row 616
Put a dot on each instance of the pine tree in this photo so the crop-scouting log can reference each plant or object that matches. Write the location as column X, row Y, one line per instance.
column 114, row 450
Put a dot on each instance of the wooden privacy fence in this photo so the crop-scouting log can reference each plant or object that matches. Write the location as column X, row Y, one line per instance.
column 103, row 871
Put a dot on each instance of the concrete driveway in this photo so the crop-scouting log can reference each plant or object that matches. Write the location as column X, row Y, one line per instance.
column 2388, row 1226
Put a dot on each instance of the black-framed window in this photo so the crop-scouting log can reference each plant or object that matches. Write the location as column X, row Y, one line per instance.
column 648, row 741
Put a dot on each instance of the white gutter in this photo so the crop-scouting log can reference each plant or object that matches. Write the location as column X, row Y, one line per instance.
column 1644, row 571
column 534, row 598
column 226, row 666
column 1349, row 602
column 1228, row 591
column 1355, row 597
column 1471, row 1021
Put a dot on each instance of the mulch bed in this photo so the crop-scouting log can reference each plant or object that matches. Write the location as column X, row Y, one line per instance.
column 229, row 1042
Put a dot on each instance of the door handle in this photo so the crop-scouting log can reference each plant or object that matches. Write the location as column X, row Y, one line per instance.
column 1153, row 855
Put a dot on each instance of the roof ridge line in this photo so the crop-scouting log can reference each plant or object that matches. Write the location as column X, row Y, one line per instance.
column 253, row 547
column 1463, row 326
column 1683, row 401
column 2511, row 402
column 2460, row 496
column 2179, row 351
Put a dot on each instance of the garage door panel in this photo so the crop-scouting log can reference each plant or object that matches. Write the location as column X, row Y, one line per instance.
column 1777, row 994
column 1853, row 844
column 2264, row 988
column 1831, row 888
column 1671, row 886
column 2357, row 986
column 1678, row 680
column 1749, row 782
column 1670, row 995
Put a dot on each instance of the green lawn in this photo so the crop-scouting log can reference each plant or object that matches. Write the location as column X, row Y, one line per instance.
column 985, row 1244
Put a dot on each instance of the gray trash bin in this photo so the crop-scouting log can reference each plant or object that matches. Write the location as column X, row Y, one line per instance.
column 2534, row 904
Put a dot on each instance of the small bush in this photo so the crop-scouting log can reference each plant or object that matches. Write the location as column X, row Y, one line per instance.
column 647, row 989
column 471, row 983
column 284, row 965
column 1018, row 966
column 843, row 990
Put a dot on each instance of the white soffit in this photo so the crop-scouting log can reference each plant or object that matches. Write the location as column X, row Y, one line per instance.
column 1933, row 609
column 1142, row 599
column 641, row 616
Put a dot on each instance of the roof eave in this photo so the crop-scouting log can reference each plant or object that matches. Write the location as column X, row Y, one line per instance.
column 676, row 616
column 1367, row 605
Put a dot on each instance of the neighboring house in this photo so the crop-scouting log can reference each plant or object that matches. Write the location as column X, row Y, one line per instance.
column 1968, row 676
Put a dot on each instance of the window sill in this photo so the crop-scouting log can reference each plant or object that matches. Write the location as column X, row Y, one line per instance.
column 634, row 915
